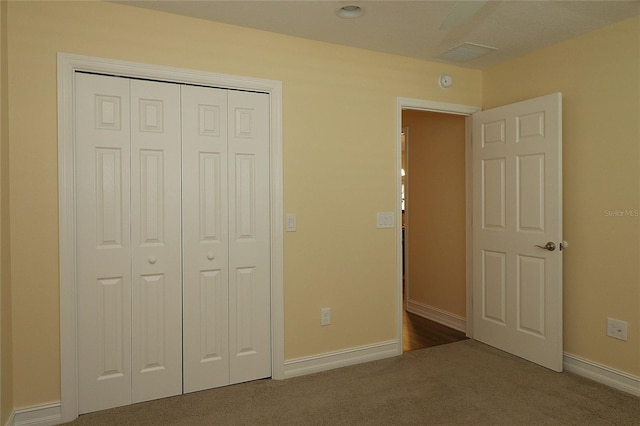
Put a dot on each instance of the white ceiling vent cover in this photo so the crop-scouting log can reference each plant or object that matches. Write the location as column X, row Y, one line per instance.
column 467, row 51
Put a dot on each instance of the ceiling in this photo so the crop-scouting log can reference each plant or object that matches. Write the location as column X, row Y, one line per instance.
column 419, row 29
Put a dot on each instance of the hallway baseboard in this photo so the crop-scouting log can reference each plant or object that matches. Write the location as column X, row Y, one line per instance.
column 41, row 415
column 438, row 315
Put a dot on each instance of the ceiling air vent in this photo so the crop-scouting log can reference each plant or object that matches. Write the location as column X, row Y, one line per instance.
column 466, row 52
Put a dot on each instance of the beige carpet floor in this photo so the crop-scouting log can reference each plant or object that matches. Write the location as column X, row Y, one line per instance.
column 463, row 383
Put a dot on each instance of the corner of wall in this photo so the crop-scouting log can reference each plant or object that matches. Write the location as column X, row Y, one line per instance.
column 6, row 358
column 594, row 108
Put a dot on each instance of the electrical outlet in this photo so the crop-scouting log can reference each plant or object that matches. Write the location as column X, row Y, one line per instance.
column 325, row 316
column 617, row 329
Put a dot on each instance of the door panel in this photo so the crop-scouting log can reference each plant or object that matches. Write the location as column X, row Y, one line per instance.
column 213, row 326
column 156, row 246
column 517, row 198
column 110, row 325
column 249, row 245
column 531, row 289
column 103, row 249
column 244, row 318
column 494, row 193
column 205, row 238
column 531, row 203
column 109, row 197
column 494, row 286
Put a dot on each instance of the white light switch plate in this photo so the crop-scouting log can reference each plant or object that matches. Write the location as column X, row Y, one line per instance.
column 291, row 224
column 325, row 316
column 386, row 220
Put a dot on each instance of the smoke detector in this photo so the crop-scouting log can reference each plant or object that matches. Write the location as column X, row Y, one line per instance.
column 350, row 11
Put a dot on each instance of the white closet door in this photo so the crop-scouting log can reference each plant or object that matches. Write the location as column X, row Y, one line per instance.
column 137, row 257
column 156, row 238
column 205, row 239
column 103, row 242
column 249, row 237
column 226, row 242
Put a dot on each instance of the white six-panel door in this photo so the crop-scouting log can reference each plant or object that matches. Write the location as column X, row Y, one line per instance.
column 517, row 210
column 137, row 257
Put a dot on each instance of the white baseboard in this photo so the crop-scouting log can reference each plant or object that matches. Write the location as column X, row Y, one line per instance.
column 438, row 315
column 41, row 415
column 11, row 419
column 602, row 374
column 330, row 360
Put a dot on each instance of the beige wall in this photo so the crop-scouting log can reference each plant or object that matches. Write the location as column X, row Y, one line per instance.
column 6, row 366
column 436, row 268
column 339, row 165
column 599, row 76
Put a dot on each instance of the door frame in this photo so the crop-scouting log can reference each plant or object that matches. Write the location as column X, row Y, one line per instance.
column 445, row 108
column 68, row 64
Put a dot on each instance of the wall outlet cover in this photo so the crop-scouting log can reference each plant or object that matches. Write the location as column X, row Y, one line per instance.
column 617, row 329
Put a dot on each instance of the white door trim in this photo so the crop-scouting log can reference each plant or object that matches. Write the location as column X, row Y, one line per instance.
column 67, row 65
column 447, row 108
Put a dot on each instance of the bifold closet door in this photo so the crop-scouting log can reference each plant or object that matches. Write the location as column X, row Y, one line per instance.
column 249, row 237
column 128, row 241
column 103, row 140
column 206, row 241
column 156, row 299
column 226, row 237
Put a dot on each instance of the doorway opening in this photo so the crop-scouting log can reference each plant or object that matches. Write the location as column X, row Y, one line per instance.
column 433, row 168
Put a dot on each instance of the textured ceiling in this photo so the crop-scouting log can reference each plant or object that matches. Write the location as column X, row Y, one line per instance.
column 414, row 28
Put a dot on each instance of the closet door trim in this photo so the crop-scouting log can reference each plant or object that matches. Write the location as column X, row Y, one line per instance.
column 68, row 65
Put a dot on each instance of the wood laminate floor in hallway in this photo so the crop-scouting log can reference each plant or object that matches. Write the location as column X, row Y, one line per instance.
column 419, row 332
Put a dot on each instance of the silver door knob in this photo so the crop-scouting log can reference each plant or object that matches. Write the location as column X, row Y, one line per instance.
column 152, row 260
column 551, row 246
